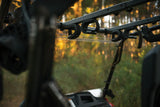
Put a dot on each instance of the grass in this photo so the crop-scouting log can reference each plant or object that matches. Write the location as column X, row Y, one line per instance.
column 14, row 89
column 79, row 73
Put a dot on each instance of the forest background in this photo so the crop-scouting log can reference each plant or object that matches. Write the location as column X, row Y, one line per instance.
column 84, row 63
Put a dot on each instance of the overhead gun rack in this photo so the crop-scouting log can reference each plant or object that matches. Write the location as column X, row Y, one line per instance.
column 74, row 24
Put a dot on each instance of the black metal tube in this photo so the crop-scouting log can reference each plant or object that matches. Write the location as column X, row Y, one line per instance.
column 137, row 23
column 111, row 10
column 129, row 25
column 151, row 28
column 154, row 27
column 4, row 8
column 40, row 63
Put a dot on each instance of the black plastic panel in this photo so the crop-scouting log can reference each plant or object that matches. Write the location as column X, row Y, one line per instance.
column 151, row 78
column 86, row 99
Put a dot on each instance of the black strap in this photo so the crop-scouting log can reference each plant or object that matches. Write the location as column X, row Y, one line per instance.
column 117, row 59
column 140, row 38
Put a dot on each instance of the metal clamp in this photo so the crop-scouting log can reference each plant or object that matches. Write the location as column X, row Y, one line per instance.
column 85, row 25
column 77, row 32
column 115, row 39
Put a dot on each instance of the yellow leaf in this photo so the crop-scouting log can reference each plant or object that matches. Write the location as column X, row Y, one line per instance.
column 16, row 3
column 137, row 11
